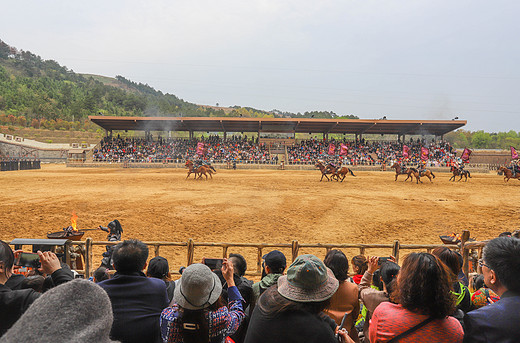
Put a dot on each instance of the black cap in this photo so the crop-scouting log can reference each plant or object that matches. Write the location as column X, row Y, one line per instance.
column 275, row 260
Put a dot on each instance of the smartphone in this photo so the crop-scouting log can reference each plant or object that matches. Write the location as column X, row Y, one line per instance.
column 213, row 263
column 26, row 259
column 384, row 259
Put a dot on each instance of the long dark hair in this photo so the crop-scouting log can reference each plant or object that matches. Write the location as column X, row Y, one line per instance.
column 424, row 286
column 194, row 324
column 338, row 263
column 389, row 271
column 273, row 303
column 360, row 262
column 6, row 256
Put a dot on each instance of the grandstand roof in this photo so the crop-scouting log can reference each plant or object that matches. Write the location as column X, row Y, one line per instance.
column 298, row 125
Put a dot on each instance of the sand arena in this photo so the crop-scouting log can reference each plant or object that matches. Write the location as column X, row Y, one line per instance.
column 269, row 206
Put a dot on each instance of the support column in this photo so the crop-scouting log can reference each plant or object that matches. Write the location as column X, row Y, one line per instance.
column 191, row 134
column 225, row 135
column 169, row 134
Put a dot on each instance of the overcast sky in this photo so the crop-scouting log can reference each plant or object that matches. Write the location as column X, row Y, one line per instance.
column 400, row 59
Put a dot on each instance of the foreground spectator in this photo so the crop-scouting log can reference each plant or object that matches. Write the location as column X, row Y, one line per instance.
column 100, row 274
column 77, row 311
column 273, row 267
column 425, row 302
column 199, row 313
column 137, row 301
column 372, row 297
column 159, row 269
column 483, row 295
column 13, row 303
column 460, row 292
column 359, row 265
column 345, row 300
column 498, row 322
column 291, row 311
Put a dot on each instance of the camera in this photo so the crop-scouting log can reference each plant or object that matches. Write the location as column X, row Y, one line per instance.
column 26, row 259
column 213, row 263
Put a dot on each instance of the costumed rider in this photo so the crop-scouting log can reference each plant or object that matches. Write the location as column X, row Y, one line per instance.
column 403, row 166
column 514, row 167
column 460, row 165
column 114, row 230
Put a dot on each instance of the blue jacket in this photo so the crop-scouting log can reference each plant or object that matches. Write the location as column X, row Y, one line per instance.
column 498, row 322
column 137, row 303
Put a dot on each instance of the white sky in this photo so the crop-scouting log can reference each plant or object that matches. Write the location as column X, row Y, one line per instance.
column 404, row 59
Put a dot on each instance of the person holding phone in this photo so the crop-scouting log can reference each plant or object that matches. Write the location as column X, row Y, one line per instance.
column 13, row 303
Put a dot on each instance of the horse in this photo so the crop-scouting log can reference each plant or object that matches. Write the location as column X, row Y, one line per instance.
column 339, row 173
column 508, row 174
column 202, row 170
column 324, row 170
column 409, row 172
column 457, row 172
column 428, row 173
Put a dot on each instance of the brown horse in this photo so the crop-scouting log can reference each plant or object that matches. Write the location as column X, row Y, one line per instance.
column 324, row 170
column 202, row 170
column 457, row 172
column 339, row 173
column 508, row 174
column 428, row 173
column 408, row 171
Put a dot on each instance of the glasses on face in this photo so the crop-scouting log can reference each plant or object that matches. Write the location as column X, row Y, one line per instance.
column 482, row 264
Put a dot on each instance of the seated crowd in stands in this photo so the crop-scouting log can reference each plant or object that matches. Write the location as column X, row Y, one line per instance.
column 426, row 299
column 238, row 148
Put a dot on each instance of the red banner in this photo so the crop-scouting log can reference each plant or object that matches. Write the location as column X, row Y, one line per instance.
column 425, row 153
column 514, row 154
column 332, row 149
column 406, row 151
column 200, row 148
column 465, row 155
column 343, row 150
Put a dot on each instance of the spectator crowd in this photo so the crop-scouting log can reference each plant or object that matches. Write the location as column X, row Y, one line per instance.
column 243, row 150
column 427, row 298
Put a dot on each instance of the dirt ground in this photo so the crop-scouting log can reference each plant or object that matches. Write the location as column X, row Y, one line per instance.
column 258, row 206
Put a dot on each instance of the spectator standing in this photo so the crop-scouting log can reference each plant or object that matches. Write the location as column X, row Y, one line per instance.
column 425, row 302
column 13, row 303
column 371, row 297
column 359, row 265
column 137, row 301
column 291, row 311
column 274, row 264
column 345, row 300
column 158, row 268
column 498, row 322
column 483, row 295
column 199, row 313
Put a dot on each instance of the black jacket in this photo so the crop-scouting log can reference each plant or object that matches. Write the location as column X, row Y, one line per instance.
column 14, row 303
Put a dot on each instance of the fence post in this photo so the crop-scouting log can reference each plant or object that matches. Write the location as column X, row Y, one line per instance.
column 395, row 250
column 464, row 251
column 294, row 249
column 156, row 249
column 88, row 258
column 190, row 251
column 362, row 251
column 259, row 260
column 68, row 245
column 225, row 251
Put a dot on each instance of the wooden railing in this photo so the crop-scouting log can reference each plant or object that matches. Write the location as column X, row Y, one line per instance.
column 394, row 249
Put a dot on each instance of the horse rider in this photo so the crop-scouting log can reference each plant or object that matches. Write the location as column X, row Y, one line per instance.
column 114, row 230
column 514, row 167
column 403, row 166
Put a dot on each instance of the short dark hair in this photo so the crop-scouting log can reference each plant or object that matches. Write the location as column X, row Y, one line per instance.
column 338, row 263
column 424, row 285
column 449, row 258
column 158, row 268
column 6, row 256
column 239, row 263
column 130, row 256
column 477, row 282
column 502, row 255
column 101, row 274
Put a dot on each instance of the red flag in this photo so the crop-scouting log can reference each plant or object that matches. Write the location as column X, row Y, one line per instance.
column 465, row 155
column 332, row 149
column 514, row 154
column 343, row 150
column 424, row 153
column 200, row 148
column 406, row 151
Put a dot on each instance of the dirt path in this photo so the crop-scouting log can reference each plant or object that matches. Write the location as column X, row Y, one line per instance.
column 254, row 206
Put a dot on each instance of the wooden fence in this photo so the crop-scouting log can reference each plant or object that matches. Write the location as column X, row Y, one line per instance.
column 395, row 248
